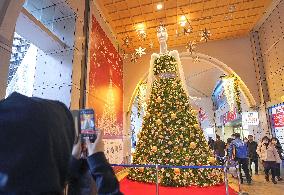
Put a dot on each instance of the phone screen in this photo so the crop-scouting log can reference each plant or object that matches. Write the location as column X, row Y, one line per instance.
column 87, row 120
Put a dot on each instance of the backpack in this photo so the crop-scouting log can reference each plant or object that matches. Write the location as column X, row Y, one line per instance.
column 240, row 149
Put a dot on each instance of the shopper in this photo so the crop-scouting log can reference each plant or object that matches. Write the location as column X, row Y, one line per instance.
column 279, row 149
column 269, row 155
column 260, row 146
column 240, row 154
column 219, row 149
column 253, row 157
column 211, row 143
column 36, row 140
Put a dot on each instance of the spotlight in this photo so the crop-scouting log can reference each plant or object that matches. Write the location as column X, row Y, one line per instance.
column 159, row 6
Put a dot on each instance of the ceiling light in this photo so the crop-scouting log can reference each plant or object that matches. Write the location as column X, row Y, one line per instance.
column 282, row 98
column 159, row 6
column 182, row 20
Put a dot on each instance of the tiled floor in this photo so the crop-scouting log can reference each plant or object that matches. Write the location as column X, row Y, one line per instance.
column 260, row 186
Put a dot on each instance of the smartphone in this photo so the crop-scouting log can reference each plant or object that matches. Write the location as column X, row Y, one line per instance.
column 87, row 124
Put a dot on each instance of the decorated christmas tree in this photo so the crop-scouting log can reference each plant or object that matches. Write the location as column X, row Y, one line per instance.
column 170, row 132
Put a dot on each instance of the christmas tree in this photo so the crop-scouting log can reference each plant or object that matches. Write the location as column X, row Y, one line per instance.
column 108, row 121
column 171, row 134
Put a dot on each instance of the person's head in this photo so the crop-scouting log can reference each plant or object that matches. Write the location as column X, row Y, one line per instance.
column 233, row 136
column 210, row 138
column 265, row 139
column 274, row 140
column 245, row 139
column 237, row 136
column 250, row 138
column 36, row 144
column 218, row 137
column 229, row 140
column 162, row 34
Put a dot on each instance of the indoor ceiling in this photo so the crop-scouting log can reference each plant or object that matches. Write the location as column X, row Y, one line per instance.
column 195, row 74
column 224, row 18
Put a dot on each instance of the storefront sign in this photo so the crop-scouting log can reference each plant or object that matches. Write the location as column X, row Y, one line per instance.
column 277, row 120
column 250, row 118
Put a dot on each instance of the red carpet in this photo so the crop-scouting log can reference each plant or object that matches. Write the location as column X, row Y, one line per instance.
column 129, row 187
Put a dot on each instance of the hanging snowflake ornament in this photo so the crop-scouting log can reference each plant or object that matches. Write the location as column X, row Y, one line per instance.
column 140, row 51
column 126, row 41
column 190, row 46
column 125, row 56
column 187, row 30
column 205, row 35
column 142, row 35
column 196, row 59
column 151, row 44
column 133, row 57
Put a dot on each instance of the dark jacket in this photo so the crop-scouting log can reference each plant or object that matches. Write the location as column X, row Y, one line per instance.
column 36, row 140
column 219, row 148
column 101, row 172
column 279, row 150
column 252, row 146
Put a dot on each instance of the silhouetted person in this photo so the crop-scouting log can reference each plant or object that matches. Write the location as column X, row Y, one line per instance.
column 252, row 154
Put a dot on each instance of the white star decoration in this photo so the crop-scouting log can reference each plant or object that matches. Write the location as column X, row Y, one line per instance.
column 140, row 51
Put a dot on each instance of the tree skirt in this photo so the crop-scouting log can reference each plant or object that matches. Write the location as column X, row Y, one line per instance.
column 129, row 187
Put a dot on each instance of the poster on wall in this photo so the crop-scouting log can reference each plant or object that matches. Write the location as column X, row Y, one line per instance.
column 105, row 87
column 250, row 118
column 277, row 122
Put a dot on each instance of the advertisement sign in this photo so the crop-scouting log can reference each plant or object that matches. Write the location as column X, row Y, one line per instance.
column 219, row 98
column 277, row 120
column 250, row 118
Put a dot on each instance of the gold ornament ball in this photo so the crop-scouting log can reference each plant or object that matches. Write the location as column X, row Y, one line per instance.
column 212, row 159
column 147, row 115
column 194, row 112
column 154, row 148
column 158, row 121
column 159, row 100
column 173, row 116
column 196, row 126
column 141, row 169
column 192, row 145
column 177, row 171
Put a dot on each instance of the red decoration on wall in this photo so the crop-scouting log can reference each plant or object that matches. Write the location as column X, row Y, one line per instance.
column 105, row 82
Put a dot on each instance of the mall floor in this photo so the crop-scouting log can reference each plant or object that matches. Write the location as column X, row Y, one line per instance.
column 259, row 186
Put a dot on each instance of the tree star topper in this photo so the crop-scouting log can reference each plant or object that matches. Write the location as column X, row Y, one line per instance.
column 205, row 35
column 140, row 51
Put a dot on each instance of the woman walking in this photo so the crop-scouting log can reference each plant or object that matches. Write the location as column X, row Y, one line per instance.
column 269, row 156
column 279, row 149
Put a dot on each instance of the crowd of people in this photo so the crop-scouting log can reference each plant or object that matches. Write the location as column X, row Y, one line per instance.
column 247, row 152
